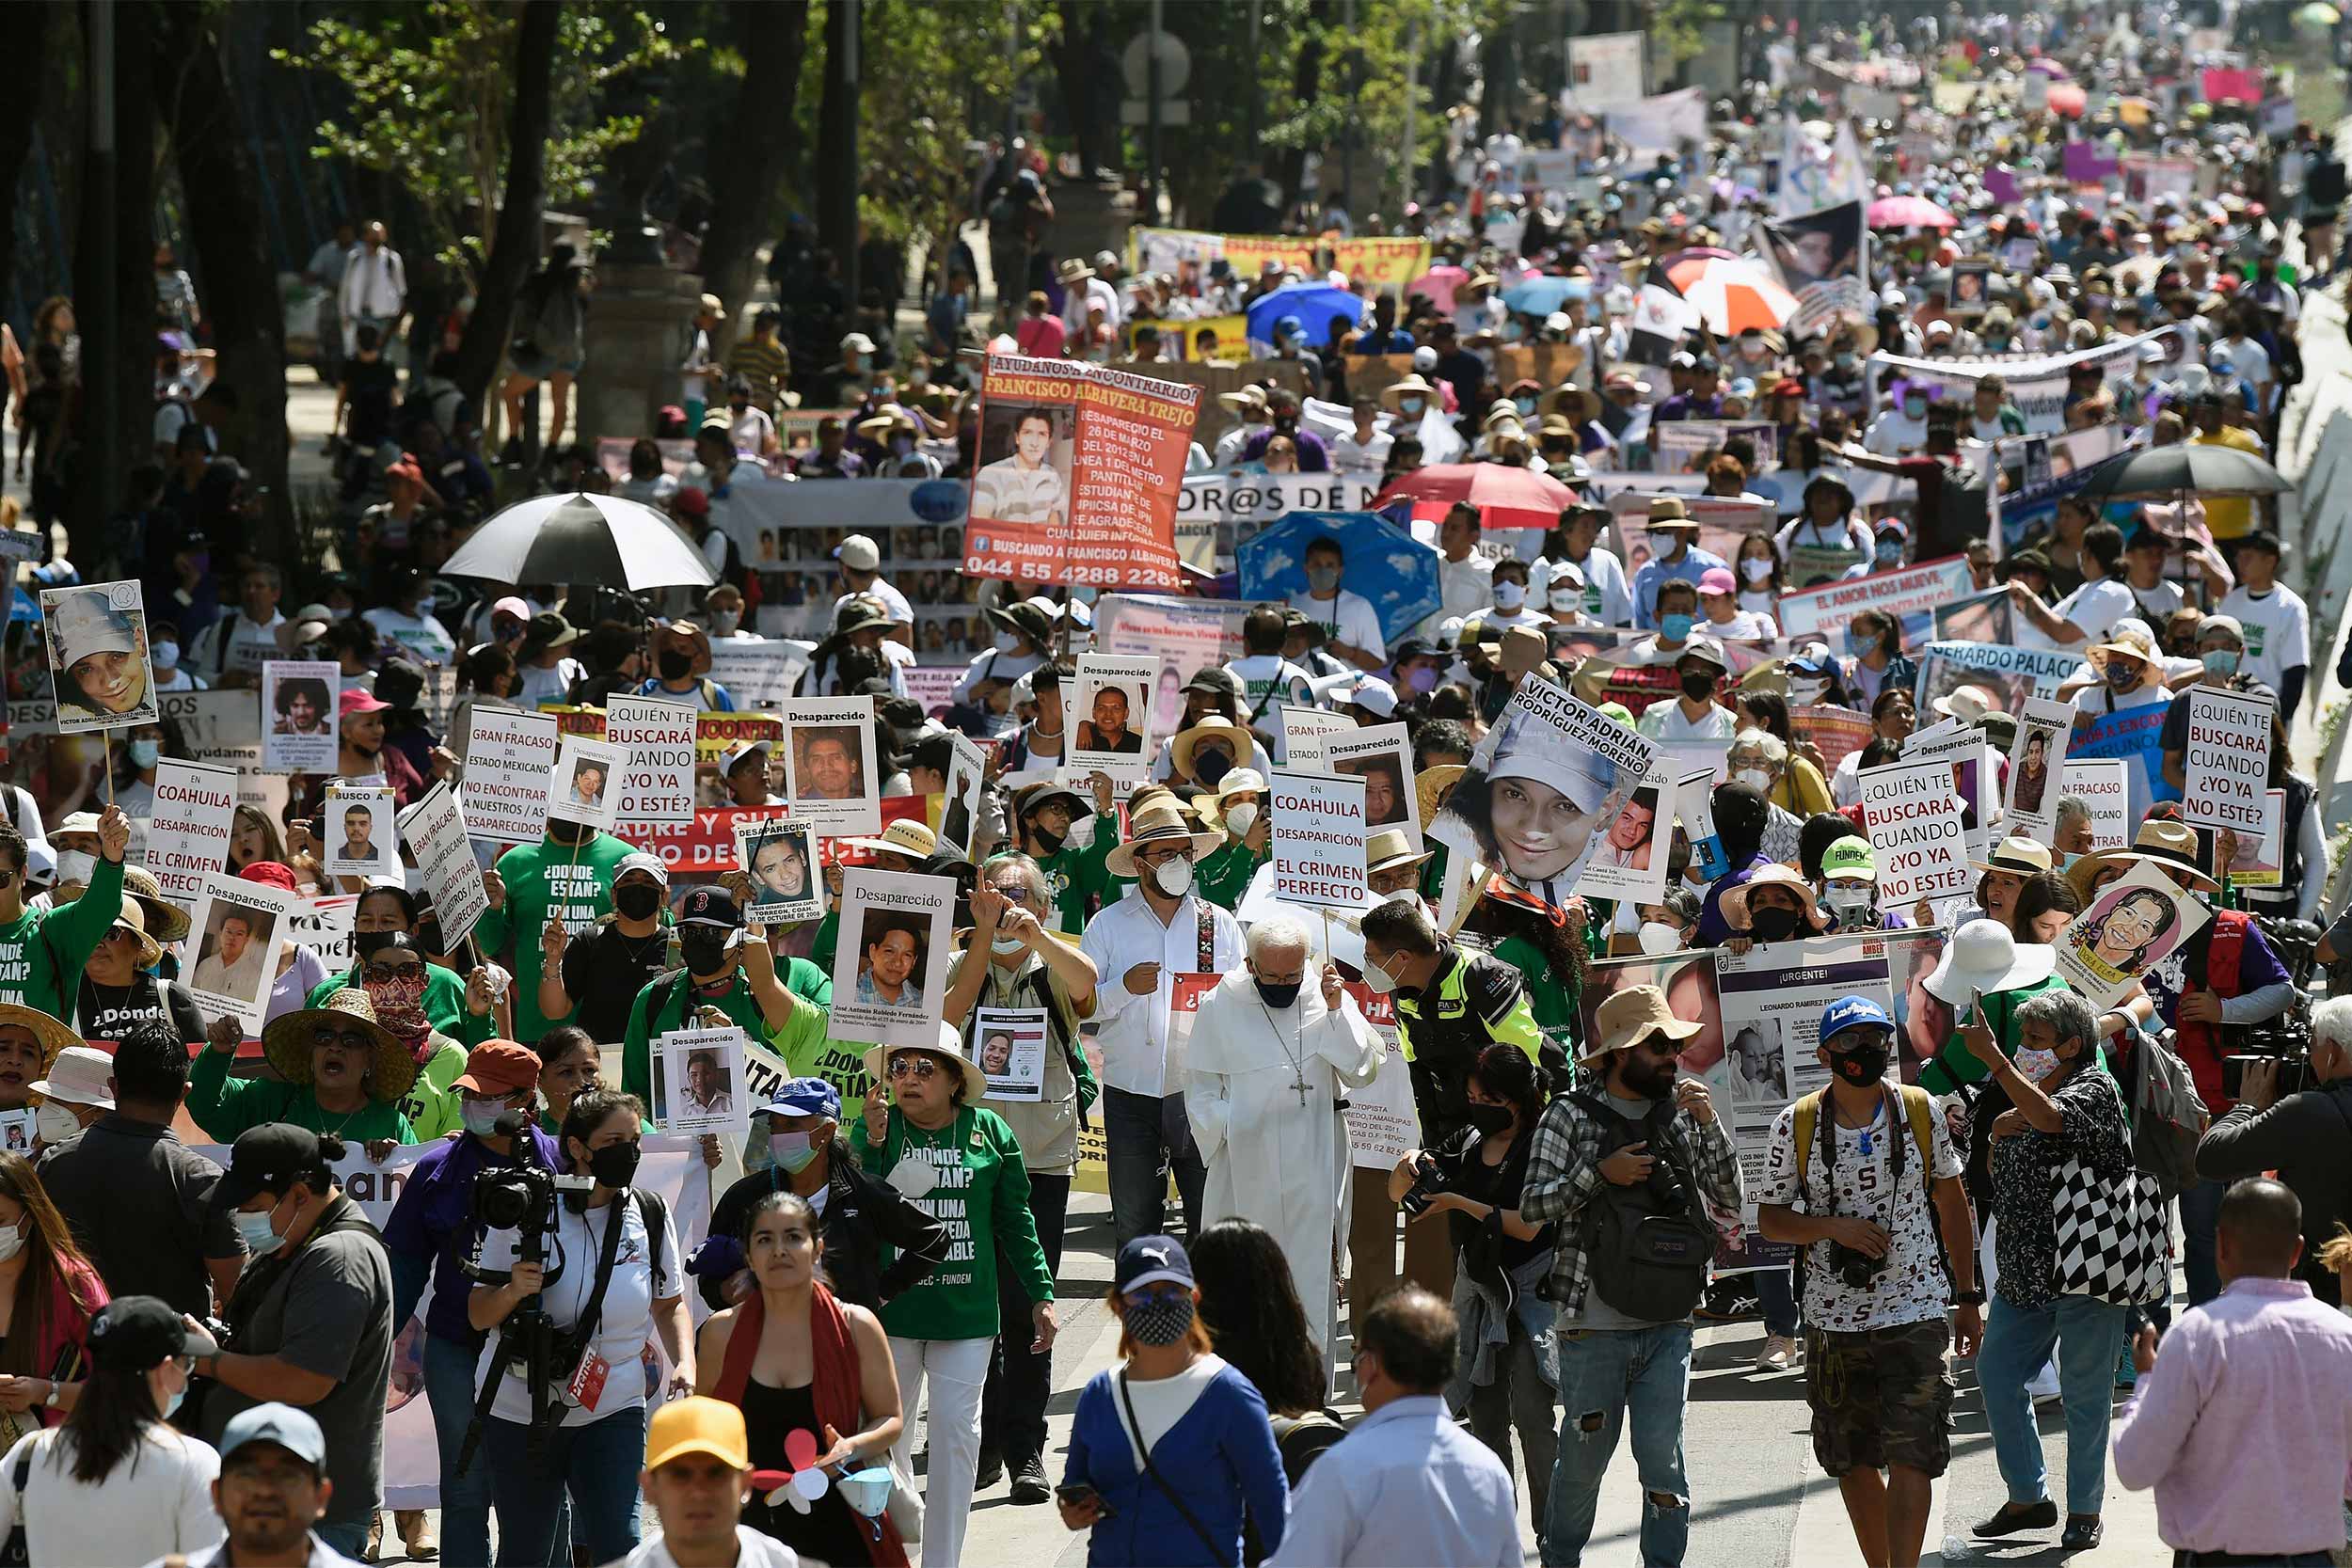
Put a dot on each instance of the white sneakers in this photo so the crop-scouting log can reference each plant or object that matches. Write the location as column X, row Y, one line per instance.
column 1779, row 1354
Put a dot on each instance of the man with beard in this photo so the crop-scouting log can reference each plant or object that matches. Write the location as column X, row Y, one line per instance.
column 273, row 1490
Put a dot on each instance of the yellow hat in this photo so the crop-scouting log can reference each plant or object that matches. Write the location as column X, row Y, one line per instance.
column 697, row 1425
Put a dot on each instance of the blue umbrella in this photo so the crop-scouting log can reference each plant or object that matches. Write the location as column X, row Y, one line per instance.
column 1314, row 304
column 25, row 610
column 1541, row 296
column 1384, row 563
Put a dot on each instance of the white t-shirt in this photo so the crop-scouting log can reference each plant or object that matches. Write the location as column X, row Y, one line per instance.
column 422, row 637
column 2277, row 631
column 1912, row 1288
column 1743, row 624
column 1360, row 459
column 156, row 1502
column 1348, row 619
column 643, row 1272
column 1895, row 433
column 1161, row 1402
column 550, row 685
column 2157, row 604
column 2095, row 607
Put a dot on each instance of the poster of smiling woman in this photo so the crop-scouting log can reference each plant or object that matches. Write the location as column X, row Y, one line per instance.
column 1551, row 773
column 98, row 661
column 2133, row 925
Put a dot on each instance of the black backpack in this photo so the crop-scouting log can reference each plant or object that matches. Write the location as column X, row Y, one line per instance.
column 1649, row 1255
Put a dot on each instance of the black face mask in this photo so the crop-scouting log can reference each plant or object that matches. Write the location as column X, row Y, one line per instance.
column 1698, row 685
column 1208, row 767
column 1047, row 840
column 1860, row 1065
column 1491, row 1119
column 367, row 944
column 1773, row 924
column 569, row 832
column 637, row 900
column 675, row 666
column 614, row 1165
column 1278, row 997
column 706, row 955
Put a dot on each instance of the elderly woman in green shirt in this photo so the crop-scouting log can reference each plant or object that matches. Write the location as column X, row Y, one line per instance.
column 344, row 1074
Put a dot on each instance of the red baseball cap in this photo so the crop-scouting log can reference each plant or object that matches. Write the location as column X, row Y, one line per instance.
column 269, row 874
column 359, row 699
column 499, row 1067
column 693, row 501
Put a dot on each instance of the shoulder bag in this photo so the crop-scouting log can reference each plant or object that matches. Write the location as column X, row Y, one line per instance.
column 1216, row 1553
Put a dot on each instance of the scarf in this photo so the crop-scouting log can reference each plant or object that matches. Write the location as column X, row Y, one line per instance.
column 399, row 1007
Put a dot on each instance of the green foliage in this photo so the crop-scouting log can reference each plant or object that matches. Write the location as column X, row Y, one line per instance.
column 922, row 66
column 429, row 85
column 1678, row 27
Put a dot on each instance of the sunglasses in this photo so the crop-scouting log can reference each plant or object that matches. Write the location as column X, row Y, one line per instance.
column 913, row 1066
column 1015, row 893
column 344, row 1040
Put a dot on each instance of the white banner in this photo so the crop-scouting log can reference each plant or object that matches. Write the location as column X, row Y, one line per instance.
column 1605, row 70
column 1662, row 124
column 1915, row 589
column 1917, row 836
column 509, row 758
column 658, row 783
column 2036, row 385
column 445, row 862
column 1216, row 511
column 2226, row 767
column 194, row 804
column 760, row 675
column 1317, row 834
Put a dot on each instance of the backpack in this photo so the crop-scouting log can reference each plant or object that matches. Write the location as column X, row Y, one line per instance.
column 1649, row 1258
column 2168, row 1117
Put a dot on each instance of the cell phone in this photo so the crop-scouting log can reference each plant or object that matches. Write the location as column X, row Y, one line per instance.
column 1082, row 1493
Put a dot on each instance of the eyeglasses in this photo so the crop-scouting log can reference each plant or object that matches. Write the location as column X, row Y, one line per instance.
column 186, row 1365
column 913, row 1066
column 384, row 973
column 1012, row 894
column 346, row 1039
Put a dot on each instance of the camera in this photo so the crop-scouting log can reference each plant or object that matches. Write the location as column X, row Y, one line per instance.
column 2285, row 1039
column 521, row 1199
column 1856, row 1271
column 1416, row 1199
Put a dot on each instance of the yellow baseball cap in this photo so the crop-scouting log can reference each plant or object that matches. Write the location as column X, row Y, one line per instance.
column 697, row 1425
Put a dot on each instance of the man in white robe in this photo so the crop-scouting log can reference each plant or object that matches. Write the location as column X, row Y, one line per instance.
column 1273, row 1049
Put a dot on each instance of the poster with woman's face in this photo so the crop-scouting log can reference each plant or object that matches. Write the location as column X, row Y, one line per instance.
column 1010, row 1043
column 779, row 856
column 98, row 662
column 890, row 968
column 2135, row 924
column 586, row 781
column 298, row 716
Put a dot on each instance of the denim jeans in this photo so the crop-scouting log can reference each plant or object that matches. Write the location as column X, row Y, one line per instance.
column 1012, row 1407
column 1605, row 1376
column 1776, row 1291
column 2017, row 1341
column 1146, row 1135
column 449, row 1385
column 350, row 1539
column 2200, row 1215
column 597, row 1462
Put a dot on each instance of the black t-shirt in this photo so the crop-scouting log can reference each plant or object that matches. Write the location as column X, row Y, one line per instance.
column 140, row 1204
column 603, row 973
column 1466, row 1173
column 106, row 1011
column 373, row 383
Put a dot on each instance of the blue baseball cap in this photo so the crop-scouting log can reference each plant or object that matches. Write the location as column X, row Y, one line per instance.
column 806, row 1097
column 291, row 1429
column 1852, row 1012
column 1148, row 1260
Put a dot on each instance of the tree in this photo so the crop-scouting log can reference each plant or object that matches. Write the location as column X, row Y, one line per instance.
column 20, row 111
column 760, row 138
column 202, row 106
column 514, row 243
column 114, row 287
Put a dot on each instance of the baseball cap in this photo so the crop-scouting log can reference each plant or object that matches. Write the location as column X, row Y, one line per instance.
column 709, row 906
column 1848, row 860
column 806, row 1097
column 1717, row 580
column 858, row 553
column 1850, row 1012
column 135, row 1333
column 267, row 1159
column 499, row 1067
column 356, row 700
column 1375, row 695
column 291, row 1429
column 697, row 1425
column 651, row 865
column 1148, row 1260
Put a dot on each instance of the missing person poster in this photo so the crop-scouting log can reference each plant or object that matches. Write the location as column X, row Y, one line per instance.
column 698, row 1082
column 2135, row 924
column 890, row 968
column 1011, row 1045
column 960, row 808
column 196, row 804
column 1317, row 834
column 2226, row 765
column 657, row 736
column 1961, row 747
column 1630, row 859
column 232, row 948
column 1382, row 756
column 2255, row 860
column 2103, row 785
column 509, row 755
column 361, row 832
column 1306, row 732
column 1918, row 836
column 98, row 661
column 1771, row 999
column 829, row 767
column 2035, row 758
column 586, row 781
column 778, row 854
column 446, row 867
column 298, row 712
column 1080, row 467
column 1110, row 719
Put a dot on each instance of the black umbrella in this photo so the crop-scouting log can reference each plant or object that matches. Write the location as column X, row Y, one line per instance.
column 2183, row 469
column 581, row 539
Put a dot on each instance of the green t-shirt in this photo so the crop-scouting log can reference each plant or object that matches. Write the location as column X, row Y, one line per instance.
column 432, row 1103
column 661, row 1007
column 444, row 1003
column 1551, row 995
column 42, row 951
column 981, row 1195
column 1223, row 874
column 1074, row 877
column 225, row 1106
column 541, row 880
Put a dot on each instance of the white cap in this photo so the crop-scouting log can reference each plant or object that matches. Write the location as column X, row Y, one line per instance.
column 858, row 553
column 1375, row 695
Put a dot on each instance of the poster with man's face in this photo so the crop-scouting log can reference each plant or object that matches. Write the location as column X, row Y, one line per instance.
column 699, row 1082
column 586, row 783
column 830, row 776
column 231, row 952
column 361, row 832
column 1111, row 715
column 96, row 639
column 779, row 856
column 1025, row 455
column 890, row 968
column 1630, row 859
column 298, row 716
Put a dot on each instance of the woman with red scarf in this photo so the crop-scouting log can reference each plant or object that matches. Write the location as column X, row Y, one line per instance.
column 814, row 1378
column 393, row 977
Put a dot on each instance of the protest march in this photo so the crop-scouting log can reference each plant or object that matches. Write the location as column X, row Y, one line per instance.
column 1577, row 811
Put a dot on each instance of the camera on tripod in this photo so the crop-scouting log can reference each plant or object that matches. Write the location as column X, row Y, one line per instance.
column 521, row 1199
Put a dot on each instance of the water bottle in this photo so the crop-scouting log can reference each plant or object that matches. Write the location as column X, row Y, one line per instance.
column 1955, row 1548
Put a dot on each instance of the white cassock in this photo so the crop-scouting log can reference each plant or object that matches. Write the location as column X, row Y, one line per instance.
column 1278, row 1157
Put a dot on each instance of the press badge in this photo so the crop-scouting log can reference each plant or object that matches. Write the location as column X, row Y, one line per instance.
column 587, row 1384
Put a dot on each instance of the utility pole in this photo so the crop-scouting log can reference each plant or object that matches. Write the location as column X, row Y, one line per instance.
column 103, row 355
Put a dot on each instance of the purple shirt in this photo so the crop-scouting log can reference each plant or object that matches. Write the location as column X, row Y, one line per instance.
column 429, row 1222
column 2245, row 1425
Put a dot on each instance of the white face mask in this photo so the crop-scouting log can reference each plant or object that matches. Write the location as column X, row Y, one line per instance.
column 1007, row 945
column 1241, row 818
column 1756, row 569
column 1850, row 899
column 75, row 866
column 55, row 1124
column 11, row 1243
column 1173, row 877
column 1378, row 980
column 1007, row 642
column 1756, row 779
column 1510, row 595
column 1658, row 938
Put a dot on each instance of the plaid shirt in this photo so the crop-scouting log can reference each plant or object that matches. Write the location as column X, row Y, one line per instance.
column 1563, row 1173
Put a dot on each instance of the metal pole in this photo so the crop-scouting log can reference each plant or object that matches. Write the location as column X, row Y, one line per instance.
column 1412, row 104
column 103, row 367
column 1152, row 110
column 1257, row 80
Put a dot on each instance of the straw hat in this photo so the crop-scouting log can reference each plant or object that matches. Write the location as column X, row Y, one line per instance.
column 1396, row 390
column 1212, row 727
column 132, row 917
column 1390, row 849
column 1158, row 820
column 1667, row 512
column 1431, row 784
column 287, row 1043
column 1966, row 703
column 2017, row 855
column 2130, row 639
column 53, row 1037
column 1735, row 900
column 1630, row 1016
column 903, row 837
column 950, row 1045
column 166, row 921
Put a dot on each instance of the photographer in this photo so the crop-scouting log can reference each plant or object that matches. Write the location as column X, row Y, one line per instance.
column 312, row 1322
column 430, row 1234
column 614, row 1279
column 2306, row 1137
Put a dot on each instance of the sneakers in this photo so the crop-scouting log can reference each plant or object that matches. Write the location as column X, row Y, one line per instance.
column 2043, row 1386
column 1028, row 1482
column 1779, row 1354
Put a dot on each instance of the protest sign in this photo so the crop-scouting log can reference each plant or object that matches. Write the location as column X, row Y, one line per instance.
column 829, row 767
column 1305, row 733
column 1187, row 254
column 657, row 738
column 1183, row 635
column 1383, row 1123
column 1382, row 756
column 508, row 757
column 1826, row 608
column 1918, row 836
column 2226, row 765
column 2013, row 675
column 2130, row 928
column 1548, row 776
column 779, row 856
column 2103, row 786
column 1669, row 123
column 2255, row 859
column 299, row 697
column 890, row 968
column 698, row 1082
column 99, row 670
column 1110, row 713
column 706, row 845
column 2135, row 737
column 1012, row 1043
column 446, row 867
column 1770, row 1002
column 230, row 953
column 967, row 789
column 2036, row 385
column 358, row 832
column 1218, row 512
column 1630, row 859
column 757, row 674
column 585, row 782
column 325, row 926
column 195, row 805
column 1724, row 522
column 1988, row 617
column 1837, row 733
column 1079, row 467
column 1606, row 69
column 1961, row 747
column 2037, row 472
column 1317, row 839
column 2034, row 760
column 1683, row 446
column 717, row 734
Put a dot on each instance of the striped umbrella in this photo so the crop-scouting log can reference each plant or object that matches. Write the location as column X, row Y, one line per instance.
column 1732, row 294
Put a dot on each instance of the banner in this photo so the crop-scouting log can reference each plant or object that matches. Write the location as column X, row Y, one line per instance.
column 1670, row 122
column 1607, row 70
column 701, row 846
column 1317, row 839
column 1079, row 469
column 762, row 673
column 1683, row 446
column 1836, row 732
column 2040, row 471
column 2105, row 786
column 1195, row 339
column 509, row 757
column 1917, row 834
column 2011, row 675
column 2036, row 385
column 189, row 838
column 657, row 734
column 1185, row 636
column 1217, row 513
column 2226, row 765
column 1914, row 592
column 2135, row 737
column 435, row 834
column 1815, row 175
column 1185, row 254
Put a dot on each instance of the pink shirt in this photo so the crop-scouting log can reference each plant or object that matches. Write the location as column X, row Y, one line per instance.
column 1040, row 336
column 2245, row 1425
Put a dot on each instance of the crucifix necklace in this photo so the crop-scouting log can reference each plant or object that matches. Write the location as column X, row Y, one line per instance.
column 1297, row 1058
